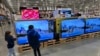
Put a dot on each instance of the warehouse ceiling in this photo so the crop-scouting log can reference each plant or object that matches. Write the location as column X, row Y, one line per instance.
column 78, row 4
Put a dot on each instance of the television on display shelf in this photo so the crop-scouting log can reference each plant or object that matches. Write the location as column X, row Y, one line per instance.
column 72, row 28
column 93, row 25
column 44, row 27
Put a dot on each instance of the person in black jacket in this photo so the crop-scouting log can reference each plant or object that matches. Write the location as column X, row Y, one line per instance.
column 10, row 43
column 33, row 39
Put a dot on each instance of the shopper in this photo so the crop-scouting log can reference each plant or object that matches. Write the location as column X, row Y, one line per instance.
column 10, row 43
column 33, row 39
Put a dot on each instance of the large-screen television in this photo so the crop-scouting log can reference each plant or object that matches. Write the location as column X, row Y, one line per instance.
column 29, row 14
column 71, row 28
column 65, row 11
column 44, row 27
column 93, row 25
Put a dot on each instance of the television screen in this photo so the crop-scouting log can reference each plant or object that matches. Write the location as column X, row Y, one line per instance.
column 93, row 25
column 28, row 14
column 43, row 27
column 65, row 11
column 71, row 28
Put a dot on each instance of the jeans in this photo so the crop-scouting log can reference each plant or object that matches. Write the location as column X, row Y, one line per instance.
column 11, row 52
column 36, row 51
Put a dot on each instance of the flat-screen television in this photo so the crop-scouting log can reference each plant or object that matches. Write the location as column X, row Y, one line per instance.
column 65, row 11
column 29, row 14
column 71, row 28
column 44, row 27
column 93, row 25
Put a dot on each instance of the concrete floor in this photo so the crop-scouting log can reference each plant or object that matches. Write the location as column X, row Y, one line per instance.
column 90, row 47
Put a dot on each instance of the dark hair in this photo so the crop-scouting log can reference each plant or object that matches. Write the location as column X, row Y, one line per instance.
column 30, row 27
column 7, row 33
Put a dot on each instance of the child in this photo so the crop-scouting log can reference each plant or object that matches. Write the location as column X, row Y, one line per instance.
column 10, row 43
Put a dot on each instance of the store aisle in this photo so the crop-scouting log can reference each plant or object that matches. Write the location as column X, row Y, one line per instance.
column 84, row 48
column 3, row 48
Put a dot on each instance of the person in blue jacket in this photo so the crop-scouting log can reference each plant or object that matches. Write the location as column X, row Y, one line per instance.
column 33, row 39
column 10, row 43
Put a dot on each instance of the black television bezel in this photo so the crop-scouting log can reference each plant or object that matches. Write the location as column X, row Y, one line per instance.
column 70, row 19
column 31, row 20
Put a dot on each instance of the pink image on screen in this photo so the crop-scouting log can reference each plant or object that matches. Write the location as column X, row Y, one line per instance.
column 28, row 14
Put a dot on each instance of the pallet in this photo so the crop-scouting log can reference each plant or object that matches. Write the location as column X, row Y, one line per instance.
column 68, row 40
column 85, row 36
column 77, row 38
column 71, row 39
column 62, row 40
column 49, row 43
column 97, row 34
column 23, row 48
column 92, row 35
